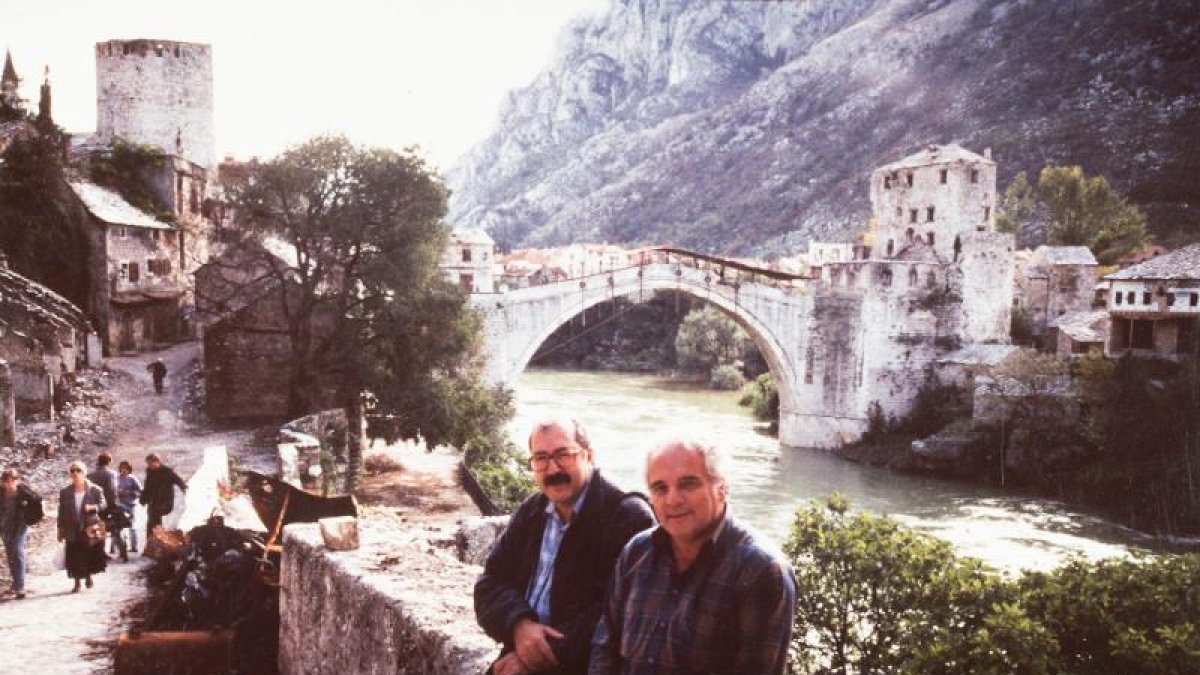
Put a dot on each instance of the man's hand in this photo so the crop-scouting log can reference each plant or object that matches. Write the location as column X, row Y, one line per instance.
column 509, row 664
column 531, row 640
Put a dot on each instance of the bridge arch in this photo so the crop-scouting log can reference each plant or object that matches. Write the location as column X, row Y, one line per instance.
column 578, row 295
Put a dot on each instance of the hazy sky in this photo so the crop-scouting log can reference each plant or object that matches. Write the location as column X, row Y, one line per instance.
column 385, row 72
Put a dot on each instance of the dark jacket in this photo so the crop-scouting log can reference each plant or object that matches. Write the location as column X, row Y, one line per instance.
column 69, row 524
column 24, row 504
column 606, row 520
column 159, row 490
column 106, row 478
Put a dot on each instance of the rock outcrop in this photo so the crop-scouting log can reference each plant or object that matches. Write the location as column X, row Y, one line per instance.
column 743, row 127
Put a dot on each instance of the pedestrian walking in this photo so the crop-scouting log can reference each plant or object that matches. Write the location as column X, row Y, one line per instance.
column 79, row 526
column 158, row 371
column 129, row 489
column 159, row 492
column 20, row 507
column 104, row 476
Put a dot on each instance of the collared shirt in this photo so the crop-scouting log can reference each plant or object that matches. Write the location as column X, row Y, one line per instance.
column 538, row 594
column 729, row 612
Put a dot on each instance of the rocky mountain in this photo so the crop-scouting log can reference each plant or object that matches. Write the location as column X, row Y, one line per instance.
column 751, row 127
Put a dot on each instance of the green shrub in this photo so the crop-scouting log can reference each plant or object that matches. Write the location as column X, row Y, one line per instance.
column 727, row 377
column 762, row 398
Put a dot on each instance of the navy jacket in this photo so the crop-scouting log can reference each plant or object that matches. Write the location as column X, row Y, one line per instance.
column 607, row 519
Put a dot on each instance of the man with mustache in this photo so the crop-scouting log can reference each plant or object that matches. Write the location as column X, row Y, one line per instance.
column 543, row 584
column 698, row 593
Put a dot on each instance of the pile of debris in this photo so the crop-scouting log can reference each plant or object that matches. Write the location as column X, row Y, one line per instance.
column 85, row 401
column 217, row 597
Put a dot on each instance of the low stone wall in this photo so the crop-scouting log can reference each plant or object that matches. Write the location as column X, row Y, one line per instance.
column 398, row 604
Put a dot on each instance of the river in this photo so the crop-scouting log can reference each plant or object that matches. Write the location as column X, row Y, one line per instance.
column 625, row 413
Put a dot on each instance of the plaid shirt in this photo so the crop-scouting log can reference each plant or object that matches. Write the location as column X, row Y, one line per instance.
column 730, row 612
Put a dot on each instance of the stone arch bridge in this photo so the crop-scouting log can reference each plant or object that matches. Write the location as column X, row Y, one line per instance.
column 829, row 365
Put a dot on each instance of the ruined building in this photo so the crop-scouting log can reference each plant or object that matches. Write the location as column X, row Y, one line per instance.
column 932, row 276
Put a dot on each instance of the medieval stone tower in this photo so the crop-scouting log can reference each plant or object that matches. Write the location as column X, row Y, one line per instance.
column 159, row 93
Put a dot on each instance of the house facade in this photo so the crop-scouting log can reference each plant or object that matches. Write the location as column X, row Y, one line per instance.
column 469, row 260
column 1154, row 306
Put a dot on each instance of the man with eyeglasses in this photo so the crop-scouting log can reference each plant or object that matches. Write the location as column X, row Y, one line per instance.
column 543, row 584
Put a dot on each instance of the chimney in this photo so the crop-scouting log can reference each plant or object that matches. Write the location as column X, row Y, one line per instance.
column 987, row 153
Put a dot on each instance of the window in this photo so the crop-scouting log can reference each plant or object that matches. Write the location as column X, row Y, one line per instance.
column 944, row 174
column 908, row 234
column 467, row 282
column 885, row 277
column 124, row 273
column 912, row 215
column 974, row 175
column 1195, row 299
column 1117, row 298
column 891, row 247
column 909, row 179
column 466, row 255
column 1170, row 299
column 912, row 277
column 133, row 273
column 887, row 182
column 120, row 232
column 929, row 238
column 987, row 213
column 929, row 214
column 1145, row 297
column 1129, row 298
column 931, row 279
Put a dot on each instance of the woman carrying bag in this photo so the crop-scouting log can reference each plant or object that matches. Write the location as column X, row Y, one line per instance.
column 79, row 507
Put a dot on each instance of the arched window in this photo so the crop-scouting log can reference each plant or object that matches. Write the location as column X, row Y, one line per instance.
column 912, row 277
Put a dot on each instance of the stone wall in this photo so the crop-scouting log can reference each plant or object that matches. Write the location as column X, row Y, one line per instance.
column 394, row 605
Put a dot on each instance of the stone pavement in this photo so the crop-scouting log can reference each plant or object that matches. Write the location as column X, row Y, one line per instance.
column 57, row 632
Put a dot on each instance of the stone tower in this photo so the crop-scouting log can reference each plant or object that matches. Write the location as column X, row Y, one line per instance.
column 158, row 93
column 936, row 196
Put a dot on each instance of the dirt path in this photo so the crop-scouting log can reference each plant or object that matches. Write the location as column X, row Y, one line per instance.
column 55, row 631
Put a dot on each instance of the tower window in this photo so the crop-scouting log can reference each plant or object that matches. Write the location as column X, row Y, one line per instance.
column 929, row 214
column 974, row 175
column 944, row 175
column 912, row 215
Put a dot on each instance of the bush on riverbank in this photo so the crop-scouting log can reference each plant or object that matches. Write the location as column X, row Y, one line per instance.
column 875, row 597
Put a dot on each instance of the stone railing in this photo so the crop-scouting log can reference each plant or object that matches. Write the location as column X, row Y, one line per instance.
column 394, row 605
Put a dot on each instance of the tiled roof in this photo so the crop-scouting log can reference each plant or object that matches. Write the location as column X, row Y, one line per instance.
column 1089, row 326
column 22, row 293
column 113, row 209
column 1065, row 255
column 471, row 235
column 936, row 154
column 1182, row 263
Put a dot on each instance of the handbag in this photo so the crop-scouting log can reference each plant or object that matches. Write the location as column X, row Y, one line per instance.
column 94, row 531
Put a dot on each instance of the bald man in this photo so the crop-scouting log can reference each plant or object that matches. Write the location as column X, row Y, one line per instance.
column 543, row 584
column 698, row 593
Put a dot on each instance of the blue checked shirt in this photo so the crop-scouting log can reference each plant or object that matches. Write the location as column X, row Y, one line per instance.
column 538, row 594
column 729, row 613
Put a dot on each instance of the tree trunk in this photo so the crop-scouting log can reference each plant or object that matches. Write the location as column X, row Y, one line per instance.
column 356, row 440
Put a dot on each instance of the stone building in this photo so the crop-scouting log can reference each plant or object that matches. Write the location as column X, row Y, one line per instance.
column 1155, row 306
column 157, row 93
column 1055, row 281
column 918, row 287
column 469, row 260
column 135, row 269
column 43, row 336
column 1077, row 333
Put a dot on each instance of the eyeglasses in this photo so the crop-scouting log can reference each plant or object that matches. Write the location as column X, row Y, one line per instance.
column 563, row 458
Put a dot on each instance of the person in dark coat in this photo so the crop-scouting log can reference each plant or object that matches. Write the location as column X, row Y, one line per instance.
column 158, row 372
column 543, row 585
column 79, row 506
column 104, row 476
column 158, row 493
column 17, row 505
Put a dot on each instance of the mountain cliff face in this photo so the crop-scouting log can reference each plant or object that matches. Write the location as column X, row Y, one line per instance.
column 751, row 127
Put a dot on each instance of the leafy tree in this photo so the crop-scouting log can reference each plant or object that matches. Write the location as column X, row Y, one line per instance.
column 707, row 338
column 762, row 397
column 365, row 304
column 1087, row 211
column 1017, row 204
column 41, row 231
